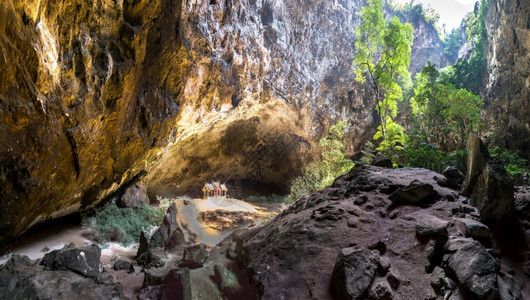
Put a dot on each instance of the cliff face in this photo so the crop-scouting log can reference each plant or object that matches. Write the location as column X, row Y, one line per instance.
column 507, row 110
column 96, row 95
column 86, row 91
column 427, row 43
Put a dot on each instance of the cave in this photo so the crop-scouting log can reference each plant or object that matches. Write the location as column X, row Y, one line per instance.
column 339, row 142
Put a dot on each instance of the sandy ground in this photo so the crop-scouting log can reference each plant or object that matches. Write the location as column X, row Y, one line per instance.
column 226, row 204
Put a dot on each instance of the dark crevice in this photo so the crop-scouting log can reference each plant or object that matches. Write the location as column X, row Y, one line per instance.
column 75, row 156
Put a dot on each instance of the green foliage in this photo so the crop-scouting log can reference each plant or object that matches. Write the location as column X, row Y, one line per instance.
column 439, row 107
column 45, row 249
column 382, row 55
column 421, row 154
column 368, row 153
column 513, row 163
column 453, row 42
column 394, row 141
column 271, row 198
column 425, row 155
column 321, row 174
column 122, row 225
column 470, row 73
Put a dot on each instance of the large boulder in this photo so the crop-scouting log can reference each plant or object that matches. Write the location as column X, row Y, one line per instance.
column 194, row 256
column 493, row 192
column 22, row 278
column 415, row 192
column 475, row 229
column 474, row 267
column 169, row 234
column 477, row 156
column 134, row 196
column 354, row 272
column 453, row 178
column 382, row 161
column 83, row 260
column 522, row 203
column 430, row 225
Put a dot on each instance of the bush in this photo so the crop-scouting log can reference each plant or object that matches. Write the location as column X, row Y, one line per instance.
column 122, row 225
column 514, row 164
column 271, row 198
column 320, row 174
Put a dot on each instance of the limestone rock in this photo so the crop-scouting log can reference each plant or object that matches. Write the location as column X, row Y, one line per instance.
column 493, row 192
column 227, row 279
column 122, row 265
column 134, row 196
column 143, row 244
column 415, row 192
column 194, row 256
column 176, row 284
column 453, row 178
column 431, row 226
column 522, row 203
column 21, row 278
column 477, row 156
column 475, row 229
column 83, row 260
column 172, row 94
column 169, row 234
column 353, row 272
column 474, row 267
column 507, row 87
column 508, row 288
column 153, row 277
column 382, row 161
column 152, row 258
column 380, row 290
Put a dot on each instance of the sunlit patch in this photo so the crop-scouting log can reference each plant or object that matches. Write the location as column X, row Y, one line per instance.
column 48, row 50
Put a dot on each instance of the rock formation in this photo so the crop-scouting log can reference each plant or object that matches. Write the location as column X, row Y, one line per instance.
column 69, row 273
column 507, row 94
column 94, row 96
column 329, row 246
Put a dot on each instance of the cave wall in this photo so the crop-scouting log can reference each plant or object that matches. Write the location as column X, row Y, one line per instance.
column 87, row 90
column 94, row 95
column 507, row 95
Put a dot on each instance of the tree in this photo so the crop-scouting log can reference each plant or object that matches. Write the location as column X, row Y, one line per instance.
column 439, row 105
column 322, row 173
column 393, row 142
column 382, row 55
column 470, row 73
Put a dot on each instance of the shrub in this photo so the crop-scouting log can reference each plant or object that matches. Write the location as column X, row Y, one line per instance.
column 271, row 198
column 122, row 225
column 322, row 173
column 513, row 163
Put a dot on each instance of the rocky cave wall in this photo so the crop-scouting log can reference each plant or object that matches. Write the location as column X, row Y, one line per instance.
column 507, row 94
column 94, row 95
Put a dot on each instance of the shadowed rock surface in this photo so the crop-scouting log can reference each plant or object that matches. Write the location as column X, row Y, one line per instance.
column 68, row 275
column 424, row 251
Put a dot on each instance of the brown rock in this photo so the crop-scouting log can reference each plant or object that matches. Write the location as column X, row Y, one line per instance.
column 353, row 272
column 493, row 192
column 477, row 156
column 134, row 196
column 415, row 192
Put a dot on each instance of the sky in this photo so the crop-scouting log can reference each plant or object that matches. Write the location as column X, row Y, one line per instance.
column 451, row 11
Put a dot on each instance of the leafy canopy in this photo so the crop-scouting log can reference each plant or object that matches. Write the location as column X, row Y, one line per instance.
column 439, row 107
column 382, row 56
